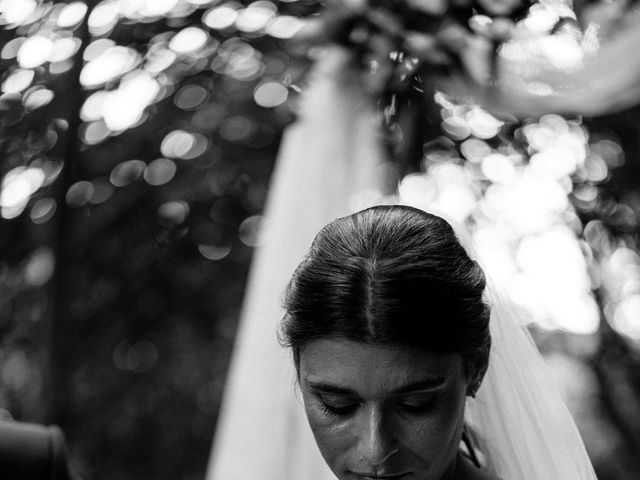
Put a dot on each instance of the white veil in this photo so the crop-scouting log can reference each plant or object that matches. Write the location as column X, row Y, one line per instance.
column 329, row 166
column 523, row 429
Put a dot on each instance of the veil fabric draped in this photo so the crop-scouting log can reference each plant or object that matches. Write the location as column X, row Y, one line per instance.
column 524, row 430
column 328, row 166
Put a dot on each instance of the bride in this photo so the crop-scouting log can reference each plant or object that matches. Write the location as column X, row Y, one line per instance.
column 516, row 426
column 390, row 333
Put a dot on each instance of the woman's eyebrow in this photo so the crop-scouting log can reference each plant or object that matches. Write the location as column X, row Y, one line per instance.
column 422, row 385
column 330, row 388
column 410, row 387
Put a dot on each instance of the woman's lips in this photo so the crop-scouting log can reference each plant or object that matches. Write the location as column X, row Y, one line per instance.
column 386, row 476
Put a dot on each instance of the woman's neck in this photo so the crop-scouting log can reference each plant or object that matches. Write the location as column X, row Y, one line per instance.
column 465, row 470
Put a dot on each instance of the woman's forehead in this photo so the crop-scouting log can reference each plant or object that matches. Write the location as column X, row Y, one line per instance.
column 360, row 366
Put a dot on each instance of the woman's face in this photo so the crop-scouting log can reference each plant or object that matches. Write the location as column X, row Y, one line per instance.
column 383, row 412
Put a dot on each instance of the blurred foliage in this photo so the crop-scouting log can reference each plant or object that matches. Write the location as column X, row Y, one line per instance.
column 137, row 144
column 137, row 138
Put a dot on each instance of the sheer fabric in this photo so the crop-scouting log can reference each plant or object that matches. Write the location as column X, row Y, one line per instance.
column 523, row 428
column 328, row 166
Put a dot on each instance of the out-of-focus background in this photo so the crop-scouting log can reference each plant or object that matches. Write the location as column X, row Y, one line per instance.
column 137, row 138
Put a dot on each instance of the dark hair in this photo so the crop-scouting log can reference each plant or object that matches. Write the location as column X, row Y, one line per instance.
column 390, row 275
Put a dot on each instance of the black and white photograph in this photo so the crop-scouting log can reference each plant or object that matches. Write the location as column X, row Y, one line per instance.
column 319, row 240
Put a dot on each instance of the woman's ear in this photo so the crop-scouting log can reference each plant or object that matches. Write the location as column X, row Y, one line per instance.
column 474, row 377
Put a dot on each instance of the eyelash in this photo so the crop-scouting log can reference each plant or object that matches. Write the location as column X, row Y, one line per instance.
column 336, row 411
column 419, row 408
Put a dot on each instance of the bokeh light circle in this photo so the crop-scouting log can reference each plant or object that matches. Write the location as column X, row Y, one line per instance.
column 270, row 94
column 35, row 51
column 11, row 48
column 37, row 98
column 72, row 14
column 40, row 267
column 64, row 48
column 18, row 185
column 79, row 194
column 255, row 17
column 284, row 26
column 18, row 80
column 182, row 144
column 172, row 214
column 95, row 132
column 249, row 231
column 160, row 171
column 103, row 17
column 15, row 12
column 220, row 18
column 188, row 40
column 110, row 64
column 214, row 252
column 43, row 210
column 91, row 109
column 127, row 172
column 190, row 97
column 236, row 128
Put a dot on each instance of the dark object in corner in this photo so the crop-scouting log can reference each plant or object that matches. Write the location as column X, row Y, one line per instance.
column 32, row 452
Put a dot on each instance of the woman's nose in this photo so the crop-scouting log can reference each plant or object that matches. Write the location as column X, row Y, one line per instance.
column 377, row 440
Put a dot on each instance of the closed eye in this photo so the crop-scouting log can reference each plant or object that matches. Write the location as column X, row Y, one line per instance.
column 417, row 406
column 336, row 405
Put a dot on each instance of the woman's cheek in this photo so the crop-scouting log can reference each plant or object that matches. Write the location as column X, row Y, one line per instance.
column 436, row 434
column 447, row 426
column 333, row 435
